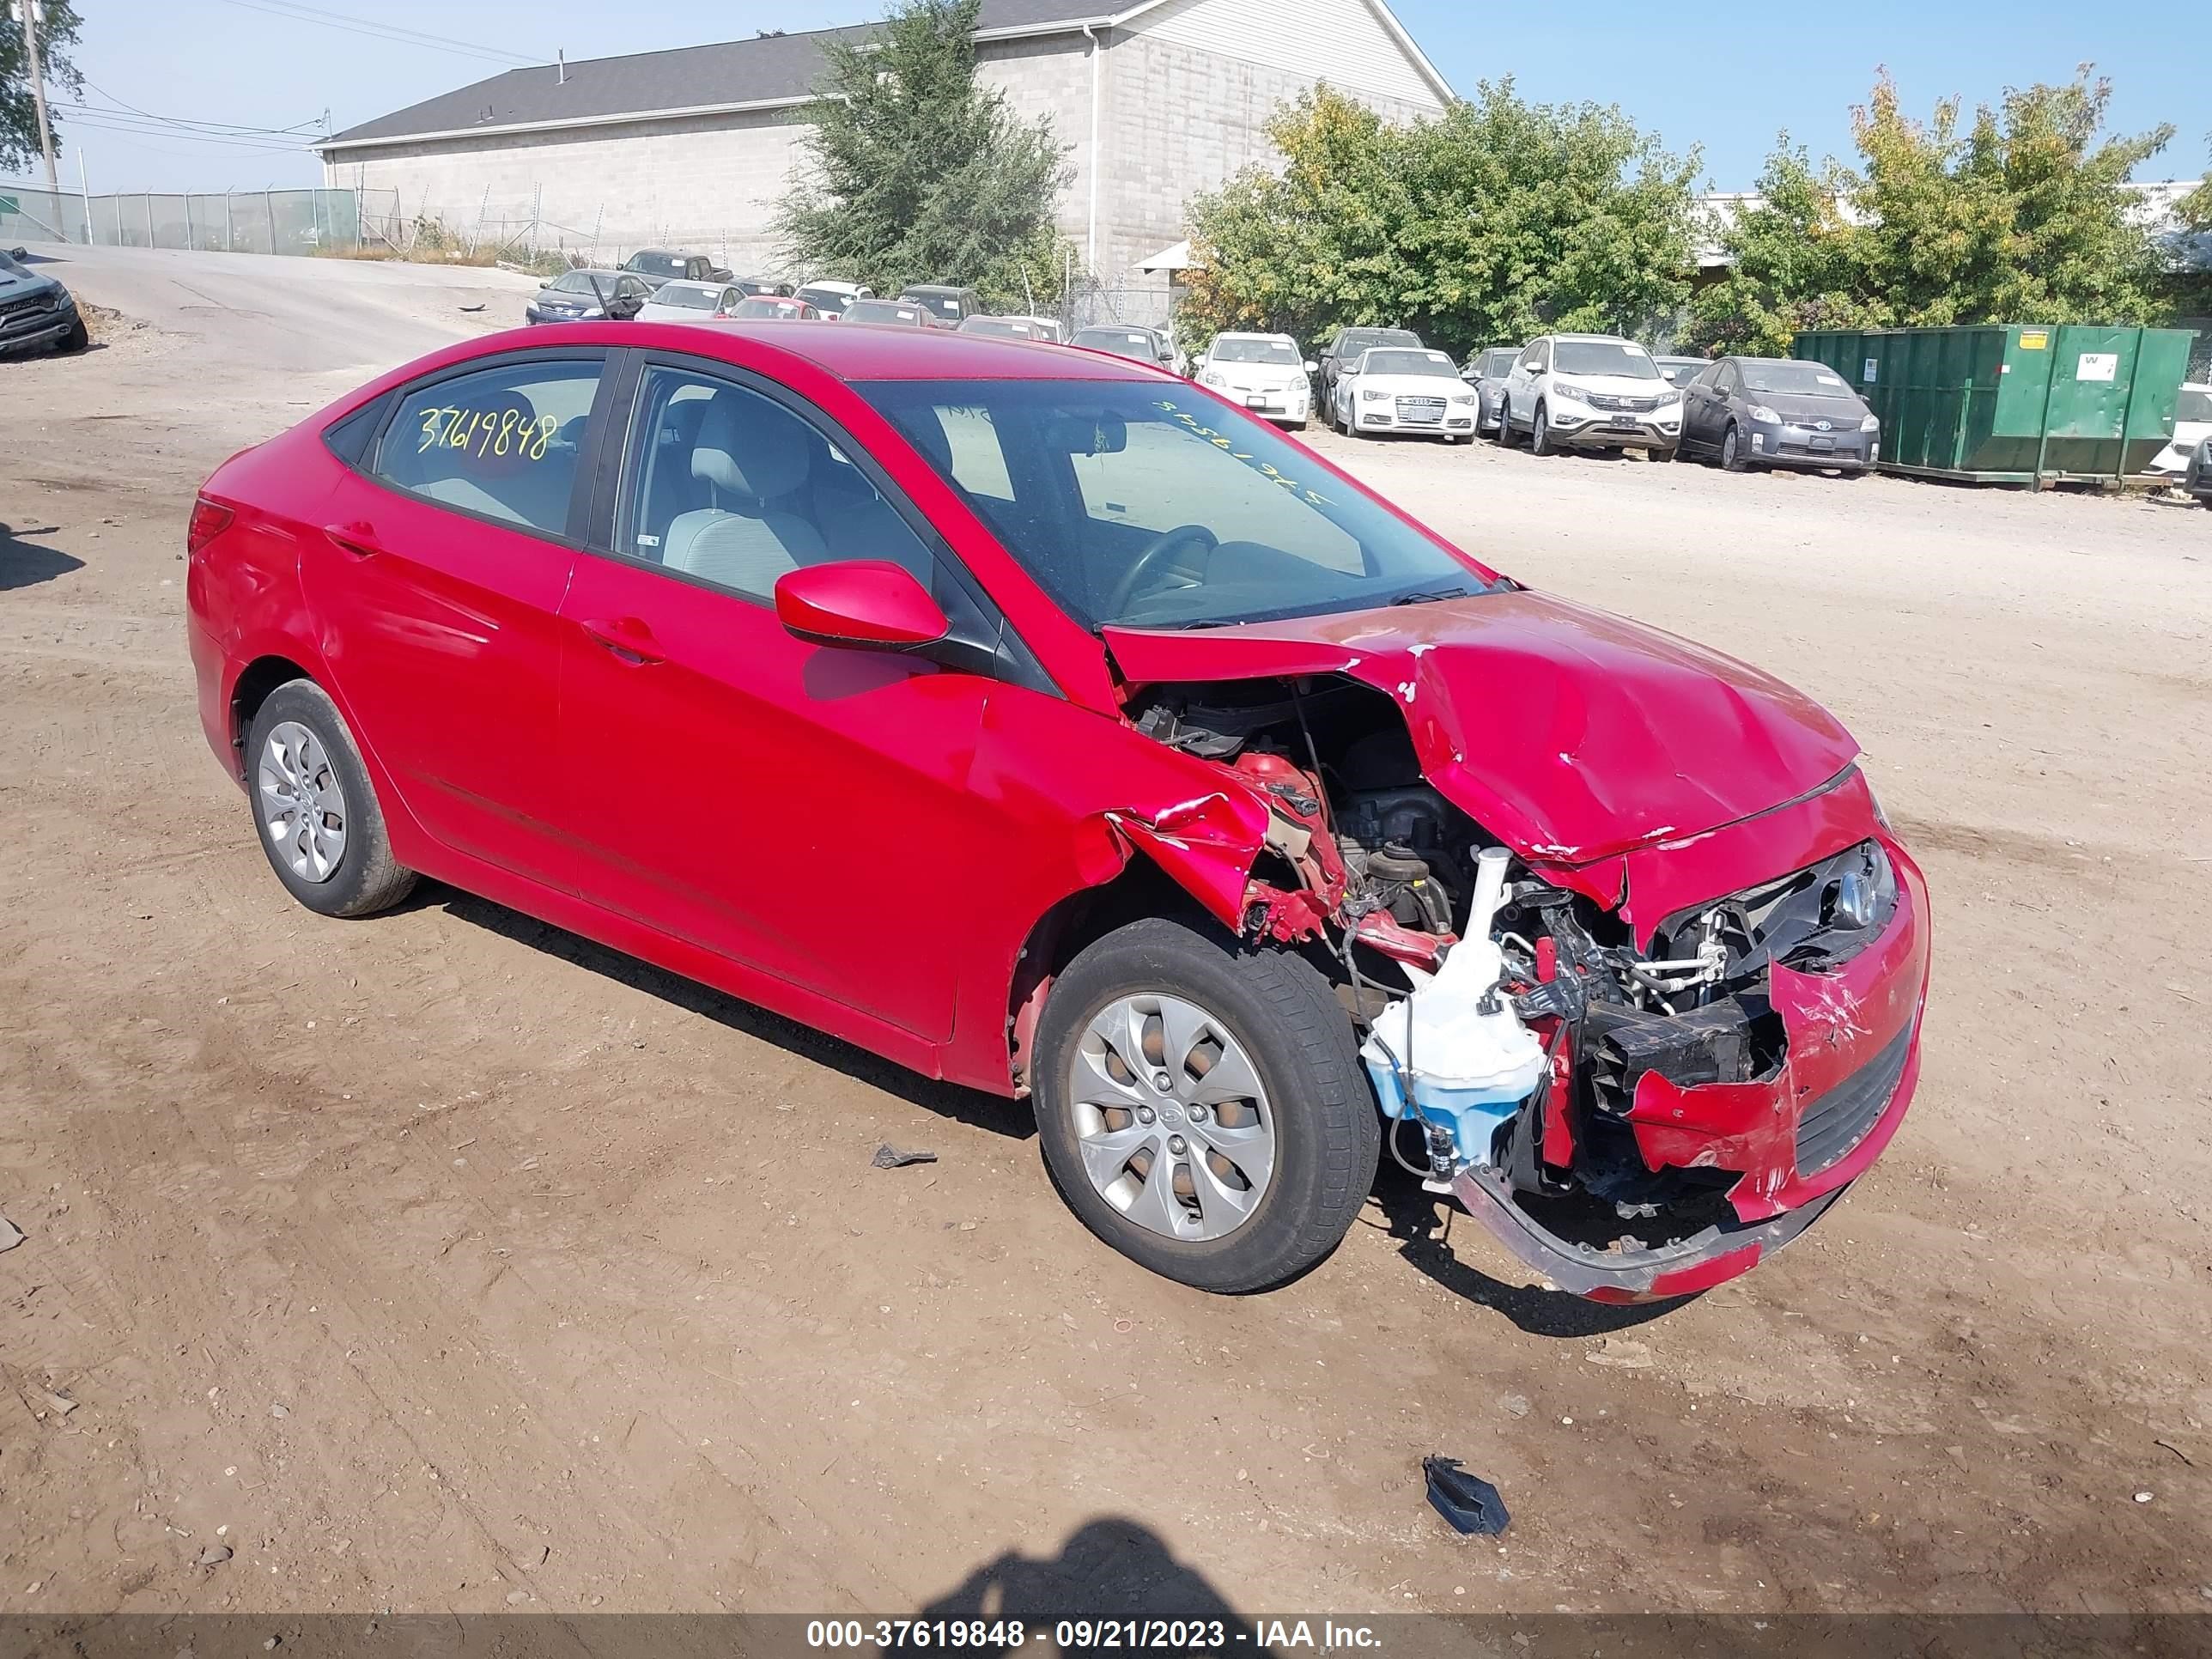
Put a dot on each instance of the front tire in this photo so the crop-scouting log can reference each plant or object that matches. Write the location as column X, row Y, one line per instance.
column 1505, row 433
column 315, row 813
column 1540, row 434
column 79, row 338
column 1732, row 455
column 1201, row 1107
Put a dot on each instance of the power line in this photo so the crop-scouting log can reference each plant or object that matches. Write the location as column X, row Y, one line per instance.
column 301, row 128
column 93, row 123
column 378, row 31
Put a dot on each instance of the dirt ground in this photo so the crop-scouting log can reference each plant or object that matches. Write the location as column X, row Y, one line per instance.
column 448, row 1261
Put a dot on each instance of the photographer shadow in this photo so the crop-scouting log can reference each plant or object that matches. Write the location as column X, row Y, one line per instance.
column 1112, row 1568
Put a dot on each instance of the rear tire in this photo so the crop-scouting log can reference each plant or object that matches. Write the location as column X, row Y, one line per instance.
column 315, row 813
column 1314, row 1108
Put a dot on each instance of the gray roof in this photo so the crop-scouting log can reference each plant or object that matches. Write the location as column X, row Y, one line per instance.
column 766, row 70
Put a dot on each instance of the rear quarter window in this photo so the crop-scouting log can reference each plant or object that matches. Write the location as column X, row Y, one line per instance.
column 502, row 442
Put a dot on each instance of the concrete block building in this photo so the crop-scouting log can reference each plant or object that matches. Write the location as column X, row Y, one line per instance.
column 1159, row 99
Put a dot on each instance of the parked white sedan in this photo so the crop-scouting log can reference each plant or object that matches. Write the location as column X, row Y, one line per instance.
column 1266, row 373
column 691, row 302
column 1400, row 389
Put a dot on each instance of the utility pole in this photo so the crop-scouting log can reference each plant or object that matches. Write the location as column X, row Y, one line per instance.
column 30, row 14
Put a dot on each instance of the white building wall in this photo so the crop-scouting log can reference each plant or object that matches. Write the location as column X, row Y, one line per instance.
column 1184, row 95
column 1345, row 41
column 707, row 183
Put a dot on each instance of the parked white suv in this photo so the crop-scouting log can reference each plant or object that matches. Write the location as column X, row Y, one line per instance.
column 1266, row 373
column 1590, row 391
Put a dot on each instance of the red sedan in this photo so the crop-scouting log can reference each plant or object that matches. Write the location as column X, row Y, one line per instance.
column 772, row 308
column 1040, row 721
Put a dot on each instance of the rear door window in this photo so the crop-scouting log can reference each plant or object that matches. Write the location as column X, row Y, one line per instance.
column 502, row 443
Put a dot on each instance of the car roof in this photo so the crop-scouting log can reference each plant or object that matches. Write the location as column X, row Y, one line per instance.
column 935, row 288
column 1233, row 334
column 906, row 353
column 702, row 285
column 1614, row 339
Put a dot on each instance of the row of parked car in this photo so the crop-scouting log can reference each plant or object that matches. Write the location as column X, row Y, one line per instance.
column 657, row 285
column 1598, row 391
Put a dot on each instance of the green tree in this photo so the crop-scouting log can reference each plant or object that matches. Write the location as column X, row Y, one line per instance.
column 1496, row 221
column 18, row 119
column 922, row 175
column 1796, row 261
column 2023, row 217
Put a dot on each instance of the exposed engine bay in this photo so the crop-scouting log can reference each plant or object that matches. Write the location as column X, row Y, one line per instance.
column 1510, row 1024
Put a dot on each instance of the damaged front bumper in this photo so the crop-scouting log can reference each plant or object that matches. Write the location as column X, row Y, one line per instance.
column 1794, row 1140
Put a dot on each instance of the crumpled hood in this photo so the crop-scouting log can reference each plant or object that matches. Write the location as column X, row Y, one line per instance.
column 13, row 287
column 1570, row 734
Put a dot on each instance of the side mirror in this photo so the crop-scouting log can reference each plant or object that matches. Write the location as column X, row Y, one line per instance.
column 1312, row 367
column 871, row 604
column 19, row 254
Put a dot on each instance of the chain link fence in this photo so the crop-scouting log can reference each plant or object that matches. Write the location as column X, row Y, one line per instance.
column 290, row 222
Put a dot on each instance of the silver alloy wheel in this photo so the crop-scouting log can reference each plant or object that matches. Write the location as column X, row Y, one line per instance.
column 1171, row 1118
column 303, row 808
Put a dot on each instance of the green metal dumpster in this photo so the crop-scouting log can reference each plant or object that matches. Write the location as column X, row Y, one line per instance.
column 2013, row 403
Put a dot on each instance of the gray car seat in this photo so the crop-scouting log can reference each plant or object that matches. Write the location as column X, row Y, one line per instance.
column 750, row 455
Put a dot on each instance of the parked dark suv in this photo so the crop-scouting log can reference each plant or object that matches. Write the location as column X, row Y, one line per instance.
column 36, row 311
column 1346, row 348
column 656, row 265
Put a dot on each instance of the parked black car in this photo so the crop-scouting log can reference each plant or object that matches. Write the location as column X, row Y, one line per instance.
column 1486, row 371
column 35, row 310
column 656, row 265
column 577, row 295
column 1346, row 348
column 948, row 308
column 2197, row 480
column 1777, row 412
column 1142, row 346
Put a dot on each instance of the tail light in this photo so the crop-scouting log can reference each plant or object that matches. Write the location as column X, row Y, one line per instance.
column 208, row 521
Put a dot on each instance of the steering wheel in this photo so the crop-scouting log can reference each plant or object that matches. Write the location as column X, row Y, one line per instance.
column 1154, row 555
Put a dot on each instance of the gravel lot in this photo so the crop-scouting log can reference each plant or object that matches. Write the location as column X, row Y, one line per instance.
column 451, row 1262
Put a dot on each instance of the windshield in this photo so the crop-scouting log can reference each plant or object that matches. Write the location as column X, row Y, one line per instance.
column 765, row 307
column 11, row 267
column 826, row 299
column 691, row 298
column 1131, row 504
column 1787, row 376
column 2195, row 404
column 1407, row 362
column 881, row 311
column 1279, row 353
column 1603, row 357
column 580, row 282
column 656, row 264
column 1006, row 327
column 1356, row 340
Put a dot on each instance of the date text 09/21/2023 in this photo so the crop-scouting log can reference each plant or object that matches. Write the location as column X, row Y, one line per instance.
column 1071, row 1635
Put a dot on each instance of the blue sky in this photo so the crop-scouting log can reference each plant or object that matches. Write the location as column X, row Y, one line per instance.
column 1721, row 78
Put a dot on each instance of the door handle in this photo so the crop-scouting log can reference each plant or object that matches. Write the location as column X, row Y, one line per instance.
column 629, row 639
column 358, row 539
